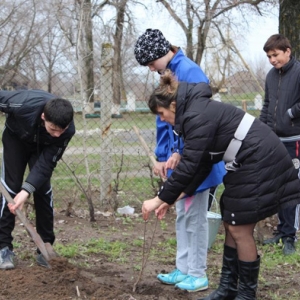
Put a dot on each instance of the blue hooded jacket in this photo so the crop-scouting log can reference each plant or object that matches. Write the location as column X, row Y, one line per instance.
column 166, row 141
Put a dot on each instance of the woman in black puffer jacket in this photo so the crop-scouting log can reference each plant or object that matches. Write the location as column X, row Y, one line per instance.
column 261, row 178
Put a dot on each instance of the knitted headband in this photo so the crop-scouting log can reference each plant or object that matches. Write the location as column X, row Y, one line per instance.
column 150, row 46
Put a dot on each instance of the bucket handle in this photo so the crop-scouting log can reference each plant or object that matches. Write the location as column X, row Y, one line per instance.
column 215, row 202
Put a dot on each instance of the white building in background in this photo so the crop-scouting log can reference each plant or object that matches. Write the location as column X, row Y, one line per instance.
column 258, row 102
column 131, row 101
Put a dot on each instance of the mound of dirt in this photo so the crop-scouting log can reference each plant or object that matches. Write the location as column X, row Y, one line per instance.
column 95, row 276
column 65, row 281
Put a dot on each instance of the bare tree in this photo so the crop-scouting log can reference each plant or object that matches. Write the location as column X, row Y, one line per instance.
column 118, row 84
column 196, row 18
column 289, row 23
column 113, row 30
column 49, row 56
column 20, row 32
column 87, row 48
column 75, row 20
column 220, row 60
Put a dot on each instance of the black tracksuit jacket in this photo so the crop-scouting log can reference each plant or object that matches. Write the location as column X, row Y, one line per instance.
column 23, row 111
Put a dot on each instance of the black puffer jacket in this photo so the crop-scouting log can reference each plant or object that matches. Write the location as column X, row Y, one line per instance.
column 23, row 111
column 282, row 92
column 266, row 178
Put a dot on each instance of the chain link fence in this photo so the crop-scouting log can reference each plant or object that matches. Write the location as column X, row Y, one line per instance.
column 105, row 162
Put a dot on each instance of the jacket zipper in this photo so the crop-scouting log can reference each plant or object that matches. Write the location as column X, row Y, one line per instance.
column 276, row 105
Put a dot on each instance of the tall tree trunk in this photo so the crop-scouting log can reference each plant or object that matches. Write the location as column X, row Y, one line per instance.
column 89, row 62
column 87, row 48
column 289, row 23
column 118, row 84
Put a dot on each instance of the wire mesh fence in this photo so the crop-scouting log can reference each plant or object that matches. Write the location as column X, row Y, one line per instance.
column 105, row 162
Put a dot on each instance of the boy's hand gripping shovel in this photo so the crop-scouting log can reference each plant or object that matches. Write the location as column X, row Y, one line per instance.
column 45, row 248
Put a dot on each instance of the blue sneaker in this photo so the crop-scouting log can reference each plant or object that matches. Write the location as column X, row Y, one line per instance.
column 172, row 278
column 193, row 284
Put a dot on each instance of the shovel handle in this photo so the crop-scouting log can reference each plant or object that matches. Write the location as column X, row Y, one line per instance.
column 9, row 199
column 30, row 229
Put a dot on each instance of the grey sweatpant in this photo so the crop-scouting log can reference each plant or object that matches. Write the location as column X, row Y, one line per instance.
column 192, row 234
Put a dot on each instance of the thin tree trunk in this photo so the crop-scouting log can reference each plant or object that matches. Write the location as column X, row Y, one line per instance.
column 118, row 85
column 89, row 59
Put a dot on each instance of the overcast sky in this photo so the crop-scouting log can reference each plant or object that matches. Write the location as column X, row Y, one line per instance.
column 260, row 29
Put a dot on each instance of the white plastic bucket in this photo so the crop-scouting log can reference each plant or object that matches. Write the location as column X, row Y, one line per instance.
column 214, row 222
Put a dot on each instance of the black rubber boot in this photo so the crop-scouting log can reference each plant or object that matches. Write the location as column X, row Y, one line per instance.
column 248, row 272
column 227, row 289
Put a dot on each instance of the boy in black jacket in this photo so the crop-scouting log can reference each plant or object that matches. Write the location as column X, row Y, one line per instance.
column 281, row 111
column 37, row 131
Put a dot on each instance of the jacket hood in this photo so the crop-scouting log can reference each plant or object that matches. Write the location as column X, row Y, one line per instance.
column 187, row 93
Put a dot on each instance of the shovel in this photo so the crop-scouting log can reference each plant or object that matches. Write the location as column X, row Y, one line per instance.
column 45, row 248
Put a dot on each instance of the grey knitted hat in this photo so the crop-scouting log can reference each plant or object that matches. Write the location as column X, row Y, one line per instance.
column 150, row 46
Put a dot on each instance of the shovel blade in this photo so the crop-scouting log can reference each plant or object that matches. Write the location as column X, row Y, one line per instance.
column 51, row 252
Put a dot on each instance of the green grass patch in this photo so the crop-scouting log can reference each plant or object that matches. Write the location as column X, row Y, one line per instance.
column 165, row 251
column 118, row 161
column 273, row 258
column 68, row 251
column 115, row 251
column 141, row 120
column 138, row 243
column 231, row 98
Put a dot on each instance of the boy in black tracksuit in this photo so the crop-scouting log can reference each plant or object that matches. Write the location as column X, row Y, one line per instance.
column 37, row 131
column 281, row 111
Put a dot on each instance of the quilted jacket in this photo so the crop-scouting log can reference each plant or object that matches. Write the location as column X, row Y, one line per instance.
column 282, row 92
column 266, row 178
